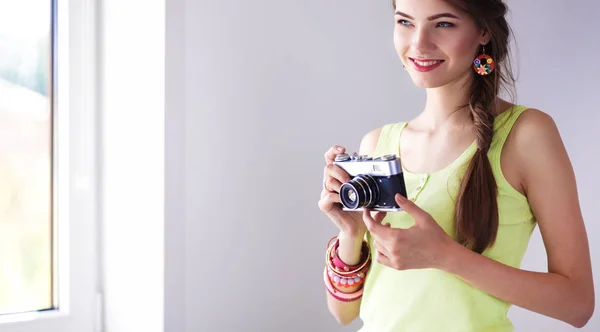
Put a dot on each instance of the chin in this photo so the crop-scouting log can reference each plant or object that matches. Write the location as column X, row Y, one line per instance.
column 434, row 80
column 429, row 83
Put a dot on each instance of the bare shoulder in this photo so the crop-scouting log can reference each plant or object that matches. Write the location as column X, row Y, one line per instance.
column 535, row 139
column 534, row 125
column 369, row 141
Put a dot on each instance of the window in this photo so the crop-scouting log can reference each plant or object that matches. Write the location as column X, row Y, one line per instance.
column 48, row 228
column 26, row 150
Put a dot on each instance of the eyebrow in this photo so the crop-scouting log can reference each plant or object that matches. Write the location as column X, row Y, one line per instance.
column 430, row 18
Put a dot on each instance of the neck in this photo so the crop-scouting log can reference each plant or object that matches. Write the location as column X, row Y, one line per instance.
column 443, row 106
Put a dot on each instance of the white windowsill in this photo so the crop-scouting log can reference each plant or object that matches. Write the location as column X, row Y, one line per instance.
column 32, row 316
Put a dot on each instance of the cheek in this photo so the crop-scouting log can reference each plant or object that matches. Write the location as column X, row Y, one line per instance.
column 462, row 50
column 401, row 41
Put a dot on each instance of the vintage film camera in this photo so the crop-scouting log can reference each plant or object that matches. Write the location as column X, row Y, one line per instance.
column 374, row 184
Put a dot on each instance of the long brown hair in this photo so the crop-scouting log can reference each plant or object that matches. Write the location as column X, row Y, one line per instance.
column 476, row 213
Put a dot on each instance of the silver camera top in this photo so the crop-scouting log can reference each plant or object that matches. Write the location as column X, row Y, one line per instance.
column 355, row 157
column 355, row 164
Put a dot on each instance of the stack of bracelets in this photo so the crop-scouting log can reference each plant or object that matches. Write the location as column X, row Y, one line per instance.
column 338, row 275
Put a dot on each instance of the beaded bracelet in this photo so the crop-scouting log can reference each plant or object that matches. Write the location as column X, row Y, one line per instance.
column 342, row 275
column 342, row 281
column 338, row 295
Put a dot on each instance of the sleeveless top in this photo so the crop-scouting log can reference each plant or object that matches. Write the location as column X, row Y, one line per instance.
column 431, row 300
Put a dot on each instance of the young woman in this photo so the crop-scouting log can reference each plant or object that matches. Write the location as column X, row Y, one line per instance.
column 480, row 174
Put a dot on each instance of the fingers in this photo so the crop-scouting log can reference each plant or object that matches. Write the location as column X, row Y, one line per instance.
column 333, row 175
column 379, row 216
column 381, row 254
column 378, row 247
column 330, row 154
column 328, row 201
column 337, row 173
column 374, row 223
column 332, row 184
column 410, row 207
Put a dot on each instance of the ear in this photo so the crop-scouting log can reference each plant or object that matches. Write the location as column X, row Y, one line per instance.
column 484, row 37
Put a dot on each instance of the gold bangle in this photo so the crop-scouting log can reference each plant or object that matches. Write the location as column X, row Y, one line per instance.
column 330, row 254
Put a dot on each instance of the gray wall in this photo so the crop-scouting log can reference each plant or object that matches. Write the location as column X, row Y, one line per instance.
column 256, row 93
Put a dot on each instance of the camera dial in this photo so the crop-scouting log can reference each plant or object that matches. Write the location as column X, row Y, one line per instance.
column 342, row 157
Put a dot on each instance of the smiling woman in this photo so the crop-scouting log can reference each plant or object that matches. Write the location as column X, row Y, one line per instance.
column 450, row 261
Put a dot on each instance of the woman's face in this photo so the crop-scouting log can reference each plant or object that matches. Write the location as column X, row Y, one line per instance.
column 435, row 41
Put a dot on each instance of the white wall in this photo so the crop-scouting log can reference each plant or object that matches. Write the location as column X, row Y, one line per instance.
column 132, row 125
column 175, row 253
column 257, row 91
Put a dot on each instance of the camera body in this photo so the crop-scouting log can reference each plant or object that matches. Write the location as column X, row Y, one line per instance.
column 375, row 182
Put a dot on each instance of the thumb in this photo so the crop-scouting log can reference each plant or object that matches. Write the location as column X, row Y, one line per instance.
column 411, row 208
column 374, row 223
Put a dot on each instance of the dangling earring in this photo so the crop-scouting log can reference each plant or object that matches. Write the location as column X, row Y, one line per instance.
column 484, row 64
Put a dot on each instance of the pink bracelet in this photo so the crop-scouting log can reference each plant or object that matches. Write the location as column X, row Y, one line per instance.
column 340, row 296
column 337, row 262
column 337, row 266
column 359, row 270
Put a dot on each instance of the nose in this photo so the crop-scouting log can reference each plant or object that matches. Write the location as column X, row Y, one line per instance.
column 422, row 41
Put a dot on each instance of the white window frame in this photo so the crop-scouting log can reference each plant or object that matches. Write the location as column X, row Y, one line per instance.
column 132, row 131
column 76, row 261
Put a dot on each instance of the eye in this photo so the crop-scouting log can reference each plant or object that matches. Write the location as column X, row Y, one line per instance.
column 403, row 22
column 445, row 25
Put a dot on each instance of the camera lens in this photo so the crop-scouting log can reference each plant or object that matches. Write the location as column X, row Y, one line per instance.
column 360, row 192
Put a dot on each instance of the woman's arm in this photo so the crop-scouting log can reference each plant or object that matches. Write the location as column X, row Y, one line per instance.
column 349, row 250
column 346, row 312
column 566, row 292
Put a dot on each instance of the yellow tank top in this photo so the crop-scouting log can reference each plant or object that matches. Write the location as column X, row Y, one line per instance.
column 431, row 300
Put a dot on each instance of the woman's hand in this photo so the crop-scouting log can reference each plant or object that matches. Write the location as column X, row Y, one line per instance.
column 349, row 223
column 421, row 246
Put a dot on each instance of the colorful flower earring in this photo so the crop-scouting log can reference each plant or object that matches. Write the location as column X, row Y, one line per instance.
column 484, row 64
